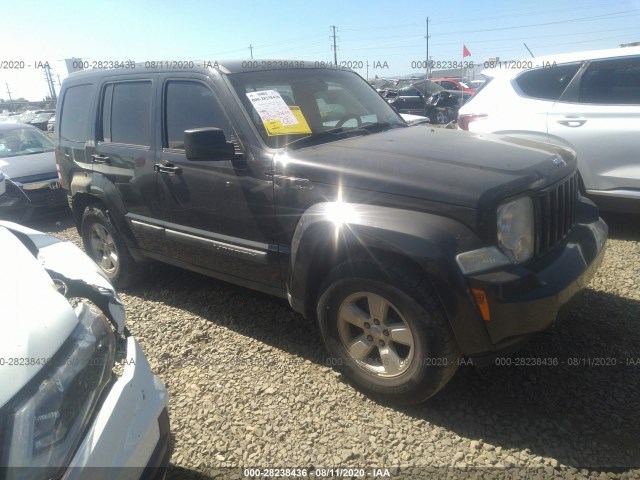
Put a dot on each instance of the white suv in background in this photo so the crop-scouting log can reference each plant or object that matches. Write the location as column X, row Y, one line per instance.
column 587, row 101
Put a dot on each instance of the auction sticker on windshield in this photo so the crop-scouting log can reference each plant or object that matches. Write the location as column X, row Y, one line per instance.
column 278, row 118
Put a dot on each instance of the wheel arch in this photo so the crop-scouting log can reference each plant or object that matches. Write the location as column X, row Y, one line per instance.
column 89, row 188
column 425, row 244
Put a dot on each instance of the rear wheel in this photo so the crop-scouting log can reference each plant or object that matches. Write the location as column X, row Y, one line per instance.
column 104, row 244
column 389, row 337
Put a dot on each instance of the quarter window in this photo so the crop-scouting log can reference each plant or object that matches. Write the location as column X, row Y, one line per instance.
column 74, row 117
column 611, row 82
column 547, row 83
column 126, row 113
column 190, row 105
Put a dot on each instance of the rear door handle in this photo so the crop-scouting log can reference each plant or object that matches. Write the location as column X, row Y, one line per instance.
column 169, row 168
column 572, row 121
column 100, row 159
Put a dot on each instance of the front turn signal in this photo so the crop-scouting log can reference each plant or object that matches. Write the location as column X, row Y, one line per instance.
column 483, row 304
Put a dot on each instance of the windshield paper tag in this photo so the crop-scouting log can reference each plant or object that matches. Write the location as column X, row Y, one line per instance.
column 278, row 118
column 275, row 127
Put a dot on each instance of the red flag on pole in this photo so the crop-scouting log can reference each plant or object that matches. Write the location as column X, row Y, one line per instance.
column 465, row 51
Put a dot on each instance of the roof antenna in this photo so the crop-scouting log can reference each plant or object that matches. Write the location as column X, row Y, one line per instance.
column 525, row 46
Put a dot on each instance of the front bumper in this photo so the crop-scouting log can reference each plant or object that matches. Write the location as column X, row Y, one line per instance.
column 22, row 200
column 524, row 300
column 130, row 433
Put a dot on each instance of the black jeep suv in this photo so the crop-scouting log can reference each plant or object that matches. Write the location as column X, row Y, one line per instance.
column 412, row 246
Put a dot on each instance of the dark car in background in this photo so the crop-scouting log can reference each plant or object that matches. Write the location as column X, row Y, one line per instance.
column 28, row 163
column 429, row 99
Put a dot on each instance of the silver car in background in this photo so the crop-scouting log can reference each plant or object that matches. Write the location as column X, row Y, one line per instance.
column 27, row 160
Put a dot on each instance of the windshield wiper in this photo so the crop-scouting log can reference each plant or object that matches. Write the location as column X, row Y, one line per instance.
column 333, row 134
column 380, row 126
column 346, row 132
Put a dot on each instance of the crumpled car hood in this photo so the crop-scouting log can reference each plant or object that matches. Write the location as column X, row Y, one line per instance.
column 36, row 318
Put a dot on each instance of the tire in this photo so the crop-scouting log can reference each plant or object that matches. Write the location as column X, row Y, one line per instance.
column 402, row 349
column 106, row 247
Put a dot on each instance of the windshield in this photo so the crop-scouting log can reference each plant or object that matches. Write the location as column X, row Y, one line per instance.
column 23, row 141
column 291, row 105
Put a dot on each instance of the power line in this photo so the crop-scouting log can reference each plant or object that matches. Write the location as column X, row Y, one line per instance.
column 456, row 19
column 558, row 22
column 521, row 14
column 497, row 39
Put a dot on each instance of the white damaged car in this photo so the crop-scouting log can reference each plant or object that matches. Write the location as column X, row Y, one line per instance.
column 77, row 396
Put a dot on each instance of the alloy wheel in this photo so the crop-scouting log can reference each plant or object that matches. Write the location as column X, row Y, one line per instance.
column 375, row 334
column 103, row 248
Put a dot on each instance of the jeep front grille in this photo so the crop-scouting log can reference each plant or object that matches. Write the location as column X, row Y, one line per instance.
column 555, row 212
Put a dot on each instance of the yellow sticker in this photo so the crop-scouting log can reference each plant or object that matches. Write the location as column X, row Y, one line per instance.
column 275, row 127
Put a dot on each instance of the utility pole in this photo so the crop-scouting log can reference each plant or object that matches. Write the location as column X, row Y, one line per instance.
column 10, row 99
column 251, row 50
column 52, row 89
column 335, row 49
column 427, row 60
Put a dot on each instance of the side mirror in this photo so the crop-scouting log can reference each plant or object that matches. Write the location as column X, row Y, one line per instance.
column 207, row 144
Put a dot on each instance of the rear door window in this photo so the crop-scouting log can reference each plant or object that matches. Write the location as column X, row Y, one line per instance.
column 546, row 83
column 126, row 113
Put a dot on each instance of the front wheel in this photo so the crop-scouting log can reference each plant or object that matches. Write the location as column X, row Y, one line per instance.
column 390, row 338
column 104, row 244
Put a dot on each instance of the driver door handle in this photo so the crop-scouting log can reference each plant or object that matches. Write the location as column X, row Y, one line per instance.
column 169, row 168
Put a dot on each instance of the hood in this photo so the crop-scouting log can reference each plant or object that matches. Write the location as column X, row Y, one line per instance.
column 28, row 165
column 441, row 165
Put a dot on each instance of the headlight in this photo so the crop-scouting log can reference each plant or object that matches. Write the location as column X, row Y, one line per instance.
column 46, row 421
column 515, row 229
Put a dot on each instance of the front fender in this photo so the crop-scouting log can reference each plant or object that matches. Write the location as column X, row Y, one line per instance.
column 330, row 233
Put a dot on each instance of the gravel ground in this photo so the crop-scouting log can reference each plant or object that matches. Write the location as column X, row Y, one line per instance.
column 250, row 387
